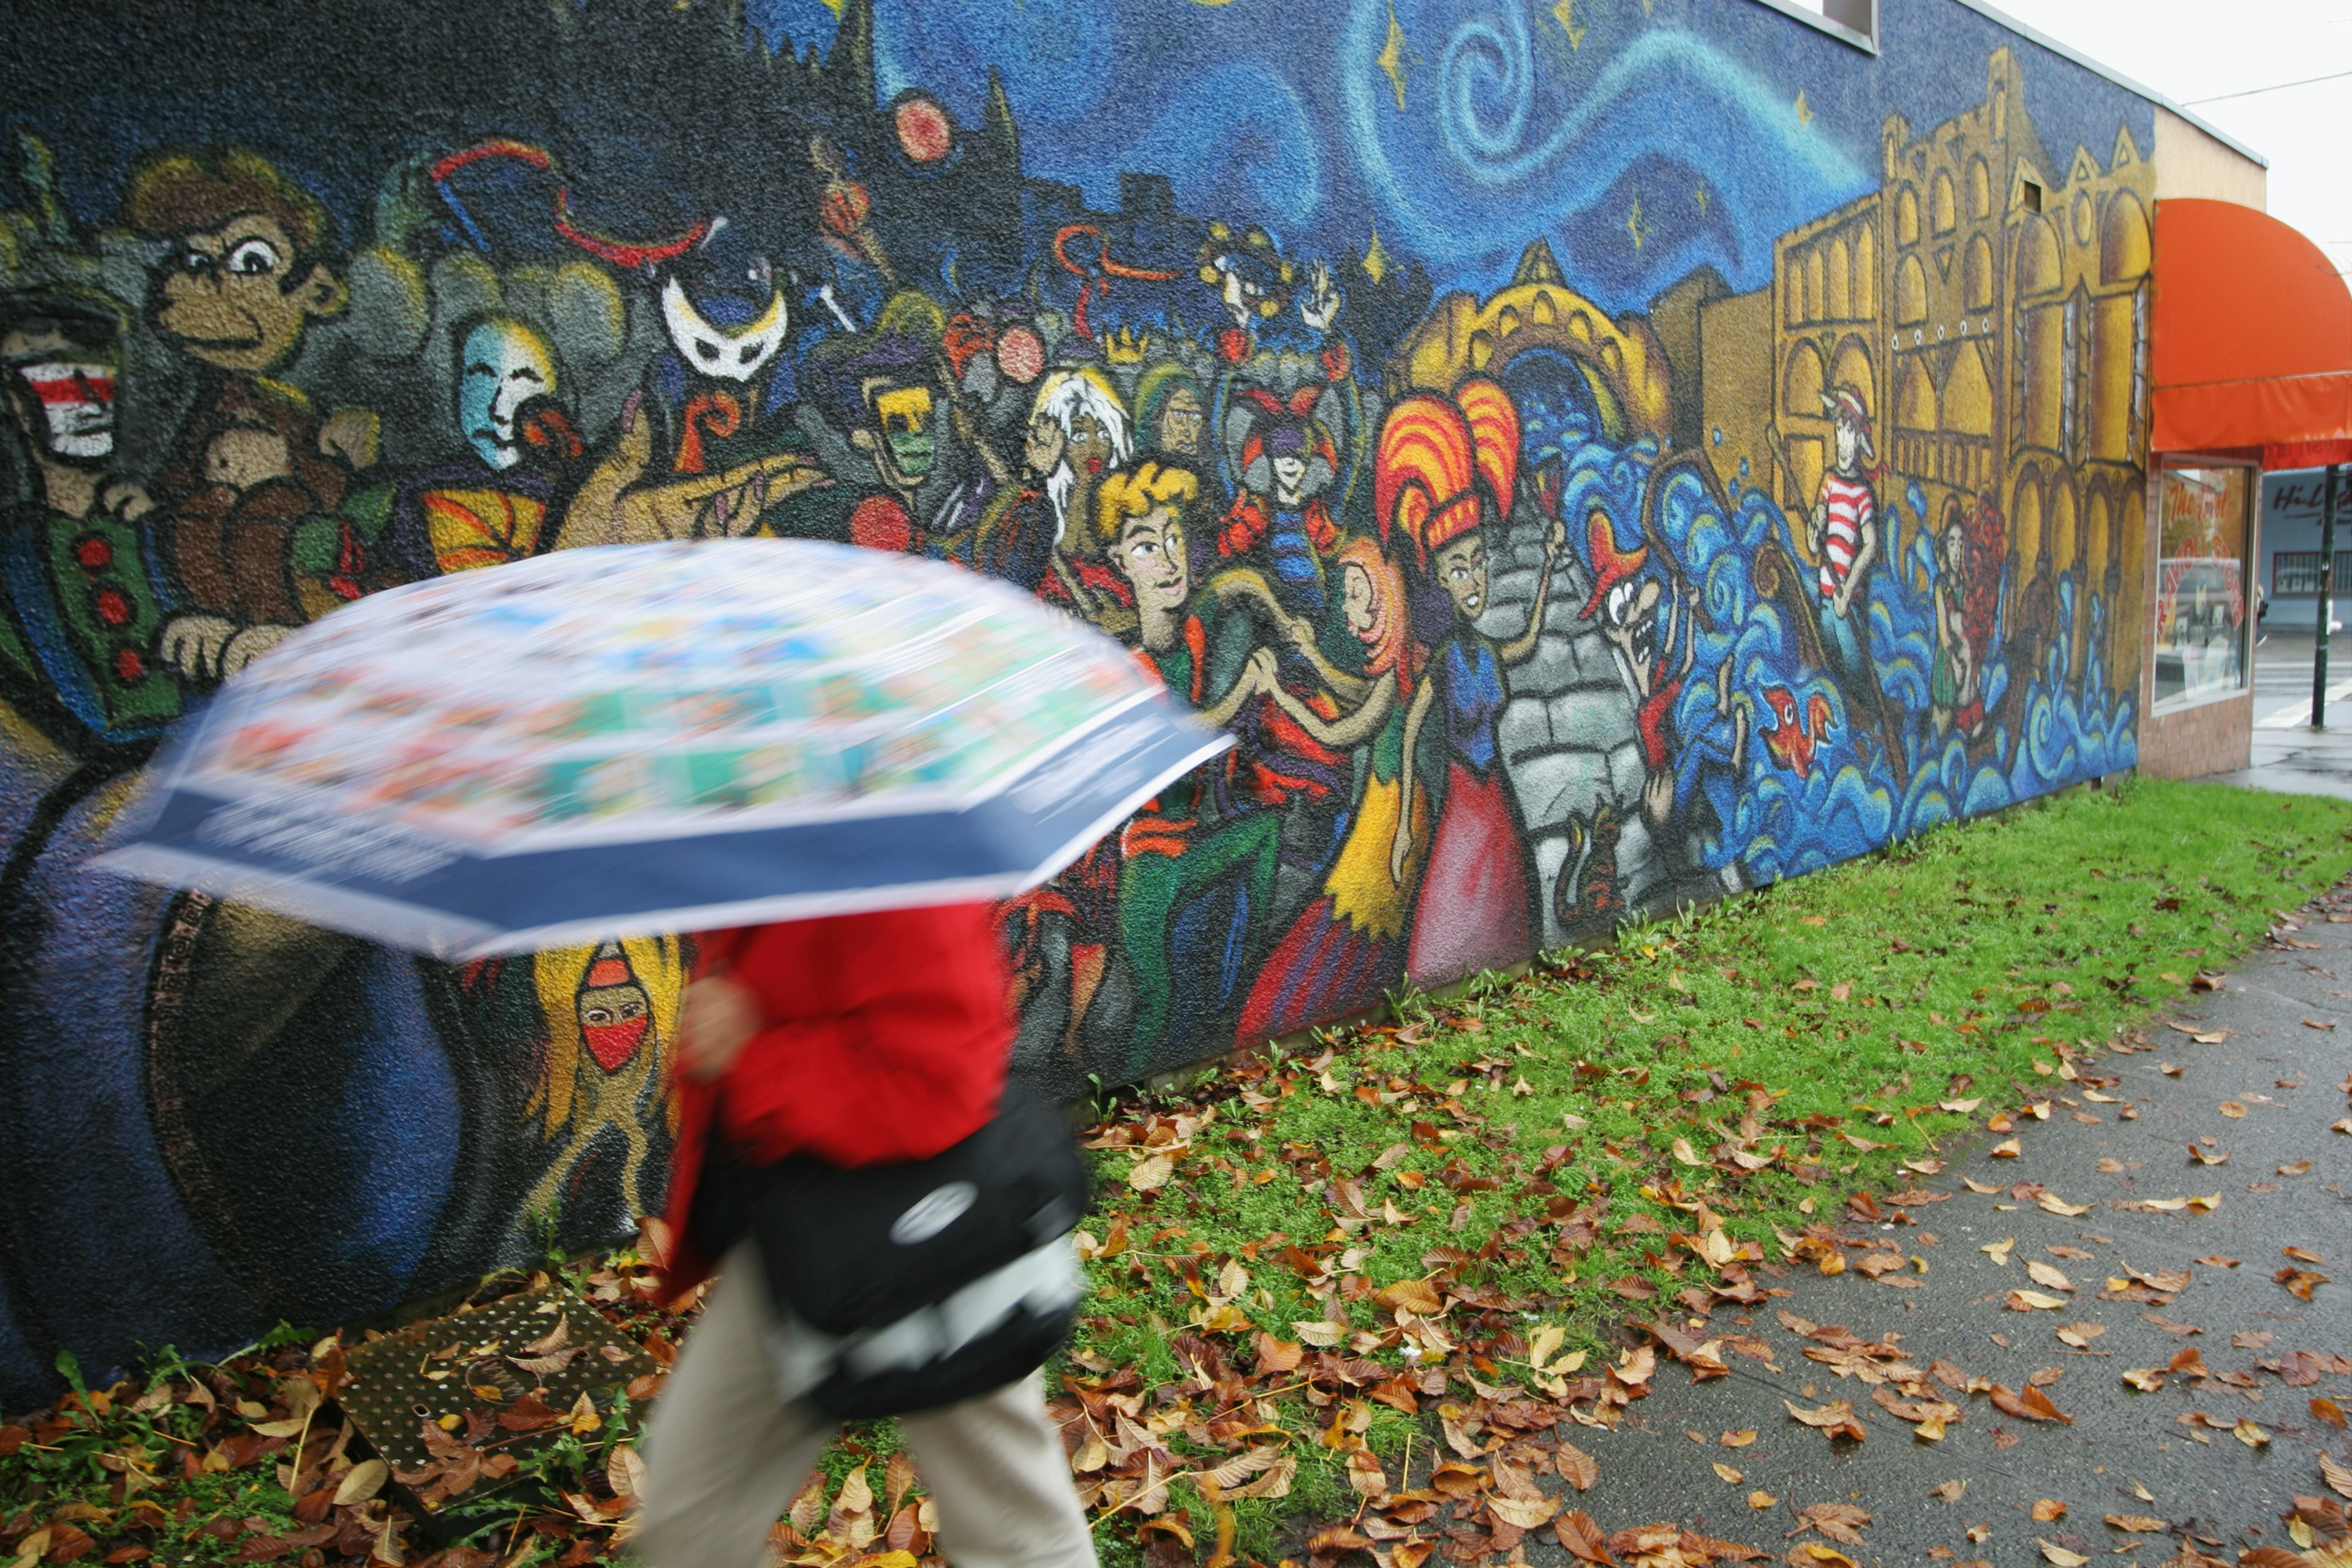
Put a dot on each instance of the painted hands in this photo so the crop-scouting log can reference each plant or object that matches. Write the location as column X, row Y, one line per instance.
column 249, row 645
column 1318, row 304
column 193, row 644
column 716, row 1020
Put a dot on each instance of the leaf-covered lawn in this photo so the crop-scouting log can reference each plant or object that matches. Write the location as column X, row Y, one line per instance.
column 1359, row 1298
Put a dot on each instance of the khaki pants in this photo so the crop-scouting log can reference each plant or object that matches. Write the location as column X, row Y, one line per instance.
column 725, row 1454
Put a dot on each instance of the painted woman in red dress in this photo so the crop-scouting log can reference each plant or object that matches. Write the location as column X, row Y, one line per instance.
column 1458, row 459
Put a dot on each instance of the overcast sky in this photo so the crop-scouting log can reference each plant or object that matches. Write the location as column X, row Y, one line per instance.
column 2193, row 49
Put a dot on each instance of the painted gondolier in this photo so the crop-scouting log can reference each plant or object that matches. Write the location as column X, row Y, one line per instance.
column 1843, row 533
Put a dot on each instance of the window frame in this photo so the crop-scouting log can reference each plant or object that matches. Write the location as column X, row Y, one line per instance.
column 1813, row 17
column 2248, row 478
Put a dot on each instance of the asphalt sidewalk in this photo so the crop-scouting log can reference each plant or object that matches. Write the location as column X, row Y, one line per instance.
column 2254, row 1073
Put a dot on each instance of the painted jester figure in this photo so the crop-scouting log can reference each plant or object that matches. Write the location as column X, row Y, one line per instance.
column 84, row 608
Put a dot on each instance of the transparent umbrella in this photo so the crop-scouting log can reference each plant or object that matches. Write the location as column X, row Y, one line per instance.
column 675, row 737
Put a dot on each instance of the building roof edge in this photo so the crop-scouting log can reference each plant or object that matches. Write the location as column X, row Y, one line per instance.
column 2035, row 35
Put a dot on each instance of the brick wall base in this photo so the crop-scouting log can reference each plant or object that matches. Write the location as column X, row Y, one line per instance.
column 2211, row 738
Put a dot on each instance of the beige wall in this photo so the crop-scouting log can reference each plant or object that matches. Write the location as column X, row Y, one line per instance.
column 2217, row 736
column 2190, row 161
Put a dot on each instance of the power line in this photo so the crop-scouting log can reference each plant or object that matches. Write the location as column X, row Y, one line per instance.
column 2257, row 91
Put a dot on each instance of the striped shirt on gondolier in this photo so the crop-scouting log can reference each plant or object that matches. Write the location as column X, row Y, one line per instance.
column 1850, row 509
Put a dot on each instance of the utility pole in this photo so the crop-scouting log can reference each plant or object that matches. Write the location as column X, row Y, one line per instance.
column 2327, row 601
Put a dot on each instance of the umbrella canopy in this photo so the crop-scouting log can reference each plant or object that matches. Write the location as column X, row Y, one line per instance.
column 611, row 742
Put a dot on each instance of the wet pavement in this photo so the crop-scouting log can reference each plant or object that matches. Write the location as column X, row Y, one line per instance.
column 2289, row 756
column 2264, row 1091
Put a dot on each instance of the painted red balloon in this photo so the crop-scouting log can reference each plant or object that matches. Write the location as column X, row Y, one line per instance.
column 1020, row 354
column 924, row 130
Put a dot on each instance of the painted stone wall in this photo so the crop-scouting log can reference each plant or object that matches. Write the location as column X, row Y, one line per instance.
column 1593, row 455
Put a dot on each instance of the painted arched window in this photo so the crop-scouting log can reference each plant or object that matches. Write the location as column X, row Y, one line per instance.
column 1801, row 383
column 1976, row 274
column 1865, row 271
column 2038, row 271
column 1943, row 202
column 2060, row 528
column 1837, row 302
column 1916, row 404
column 1910, row 292
column 2025, row 526
column 1980, row 188
column 2124, row 252
column 1967, row 395
column 1907, row 216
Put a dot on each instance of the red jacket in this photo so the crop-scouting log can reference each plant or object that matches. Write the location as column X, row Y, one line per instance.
column 887, row 1039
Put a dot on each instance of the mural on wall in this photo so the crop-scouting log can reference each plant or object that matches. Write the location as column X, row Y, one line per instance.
column 1591, row 458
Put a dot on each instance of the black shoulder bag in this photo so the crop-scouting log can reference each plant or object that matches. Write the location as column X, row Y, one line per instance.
column 904, row 1288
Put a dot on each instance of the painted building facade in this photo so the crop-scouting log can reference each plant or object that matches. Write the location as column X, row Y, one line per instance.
column 1593, row 456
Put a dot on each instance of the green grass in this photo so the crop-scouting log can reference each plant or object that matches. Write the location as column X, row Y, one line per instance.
column 1856, row 999
column 1849, row 1002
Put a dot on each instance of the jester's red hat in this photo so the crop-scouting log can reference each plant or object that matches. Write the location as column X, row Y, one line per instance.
column 1611, row 565
column 1288, row 425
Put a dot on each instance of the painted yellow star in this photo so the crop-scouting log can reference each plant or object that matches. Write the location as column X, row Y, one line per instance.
column 1391, row 57
column 1703, row 198
column 1634, row 225
column 1804, row 110
column 1377, row 264
column 1564, row 12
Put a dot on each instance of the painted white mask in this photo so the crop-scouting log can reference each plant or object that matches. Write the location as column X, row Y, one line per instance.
column 711, row 351
column 503, row 365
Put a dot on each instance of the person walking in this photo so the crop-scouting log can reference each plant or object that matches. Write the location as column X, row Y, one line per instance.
column 858, row 1040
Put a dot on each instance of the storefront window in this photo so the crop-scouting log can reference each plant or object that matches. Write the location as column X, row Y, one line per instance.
column 2200, row 599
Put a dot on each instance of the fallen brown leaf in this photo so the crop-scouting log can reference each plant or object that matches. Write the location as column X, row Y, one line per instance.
column 1950, row 1491
column 2056, row 1205
column 2029, row 1404
column 2046, row 1509
column 1576, row 1532
column 1840, row 1521
column 2299, row 1282
column 1576, row 1467
column 2059, row 1555
column 1726, row 1472
column 1835, row 1418
column 2138, row 1523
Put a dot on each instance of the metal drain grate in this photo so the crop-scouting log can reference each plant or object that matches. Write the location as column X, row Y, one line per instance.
column 466, row 1364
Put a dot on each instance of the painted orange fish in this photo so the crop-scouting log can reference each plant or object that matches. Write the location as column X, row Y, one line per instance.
column 1791, row 740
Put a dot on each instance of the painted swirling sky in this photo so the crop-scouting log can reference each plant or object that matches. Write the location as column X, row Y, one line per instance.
column 1286, row 112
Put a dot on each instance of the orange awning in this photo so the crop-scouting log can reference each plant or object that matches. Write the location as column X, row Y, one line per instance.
column 2252, row 333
